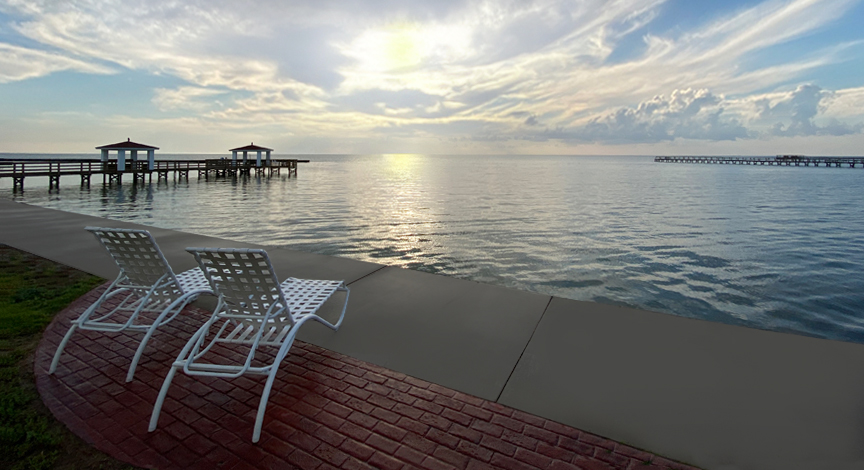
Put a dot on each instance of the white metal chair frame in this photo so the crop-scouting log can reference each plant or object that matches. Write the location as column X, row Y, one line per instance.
column 254, row 310
column 146, row 286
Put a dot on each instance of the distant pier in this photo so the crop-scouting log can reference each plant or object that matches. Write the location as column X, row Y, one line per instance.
column 779, row 160
column 19, row 169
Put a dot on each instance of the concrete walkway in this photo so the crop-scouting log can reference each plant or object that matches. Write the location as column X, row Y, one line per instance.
column 712, row 395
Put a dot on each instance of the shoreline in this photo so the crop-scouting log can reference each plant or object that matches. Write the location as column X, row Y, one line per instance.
column 685, row 240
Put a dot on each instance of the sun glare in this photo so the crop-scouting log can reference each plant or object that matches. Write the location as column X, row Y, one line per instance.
column 405, row 45
column 402, row 47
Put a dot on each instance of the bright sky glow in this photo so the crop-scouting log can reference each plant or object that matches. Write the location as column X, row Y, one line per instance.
column 381, row 76
column 395, row 47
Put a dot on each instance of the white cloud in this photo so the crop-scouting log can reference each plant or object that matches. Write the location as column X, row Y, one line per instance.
column 187, row 97
column 700, row 115
column 20, row 63
column 685, row 114
column 846, row 104
column 163, row 37
column 795, row 112
column 495, row 70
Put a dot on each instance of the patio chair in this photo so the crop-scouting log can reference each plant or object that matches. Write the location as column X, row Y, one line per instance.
column 146, row 294
column 254, row 311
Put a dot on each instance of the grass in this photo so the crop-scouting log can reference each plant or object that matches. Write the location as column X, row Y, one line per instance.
column 32, row 291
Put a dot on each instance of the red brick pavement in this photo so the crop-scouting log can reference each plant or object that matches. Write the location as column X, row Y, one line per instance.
column 326, row 411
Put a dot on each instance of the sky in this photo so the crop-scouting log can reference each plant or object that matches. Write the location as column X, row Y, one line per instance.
column 581, row 77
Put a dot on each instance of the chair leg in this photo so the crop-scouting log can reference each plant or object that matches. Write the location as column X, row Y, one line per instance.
column 341, row 316
column 262, row 406
column 131, row 374
column 140, row 351
column 109, row 292
column 60, row 348
column 157, row 408
column 182, row 359
column 344, row 307
column 150, row 331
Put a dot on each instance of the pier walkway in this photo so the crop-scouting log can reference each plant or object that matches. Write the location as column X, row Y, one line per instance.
column 779, row 160
column 716, row 396
column 19, row 169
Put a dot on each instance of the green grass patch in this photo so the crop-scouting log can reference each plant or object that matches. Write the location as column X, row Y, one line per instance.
column 32, row 291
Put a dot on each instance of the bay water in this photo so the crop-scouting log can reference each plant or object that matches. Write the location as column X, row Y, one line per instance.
column 777, row 248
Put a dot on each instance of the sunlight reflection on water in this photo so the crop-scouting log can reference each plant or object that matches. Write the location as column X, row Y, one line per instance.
column 772, row 247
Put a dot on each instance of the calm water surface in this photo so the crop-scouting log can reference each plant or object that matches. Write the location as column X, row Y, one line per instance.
column 775, row 248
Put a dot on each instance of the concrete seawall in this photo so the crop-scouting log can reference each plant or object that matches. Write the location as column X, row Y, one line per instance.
column 713, row 395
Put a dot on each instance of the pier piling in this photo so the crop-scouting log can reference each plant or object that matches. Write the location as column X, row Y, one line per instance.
column 779, row 160
column 19, row 169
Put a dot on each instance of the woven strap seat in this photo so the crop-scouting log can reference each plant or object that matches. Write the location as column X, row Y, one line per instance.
column 305, row 296
column 193, row 280
column 144, row 296
column 254, row 310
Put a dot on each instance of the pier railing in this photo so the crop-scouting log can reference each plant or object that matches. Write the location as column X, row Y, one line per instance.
column 48, row 168
column 779, row 160
column 18, row 169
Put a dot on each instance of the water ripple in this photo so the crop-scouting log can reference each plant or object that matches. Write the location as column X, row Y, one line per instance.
column 764, row 247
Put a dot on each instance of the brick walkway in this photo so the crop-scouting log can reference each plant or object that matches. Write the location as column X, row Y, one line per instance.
column 326, row 411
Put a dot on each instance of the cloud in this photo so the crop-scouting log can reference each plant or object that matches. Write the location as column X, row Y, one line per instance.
column 498, row 70
column 701, row 115
column 187, row 97
column 685, row 114
column 20, row 63
column 159, row 37
column 846, row 104
column 797, row 110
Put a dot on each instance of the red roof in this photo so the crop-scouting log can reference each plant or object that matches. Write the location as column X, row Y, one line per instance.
column 128, row 145
column 252, row 146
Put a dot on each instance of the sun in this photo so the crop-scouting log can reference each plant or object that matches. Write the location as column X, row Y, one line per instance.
column 405, row 45
column 402, row 46
column 397, row 46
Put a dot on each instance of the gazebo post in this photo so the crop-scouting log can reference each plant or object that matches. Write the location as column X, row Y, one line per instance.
column 260, row 163
column 116, row 173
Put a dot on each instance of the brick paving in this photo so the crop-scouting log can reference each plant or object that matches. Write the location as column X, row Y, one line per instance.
column 327, row 411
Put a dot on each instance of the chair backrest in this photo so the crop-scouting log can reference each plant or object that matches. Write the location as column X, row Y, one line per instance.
column 245, row 281
column 136, row 253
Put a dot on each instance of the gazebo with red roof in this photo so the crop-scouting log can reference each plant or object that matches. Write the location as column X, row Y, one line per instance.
column 133, row 148
column 250, row 148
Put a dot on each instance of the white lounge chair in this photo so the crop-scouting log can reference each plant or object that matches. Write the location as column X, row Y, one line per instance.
column 254, row 310
column 146, row 294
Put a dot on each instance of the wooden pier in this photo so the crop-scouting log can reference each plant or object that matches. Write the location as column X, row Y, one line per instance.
column 779, row 160
column 19, row 169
